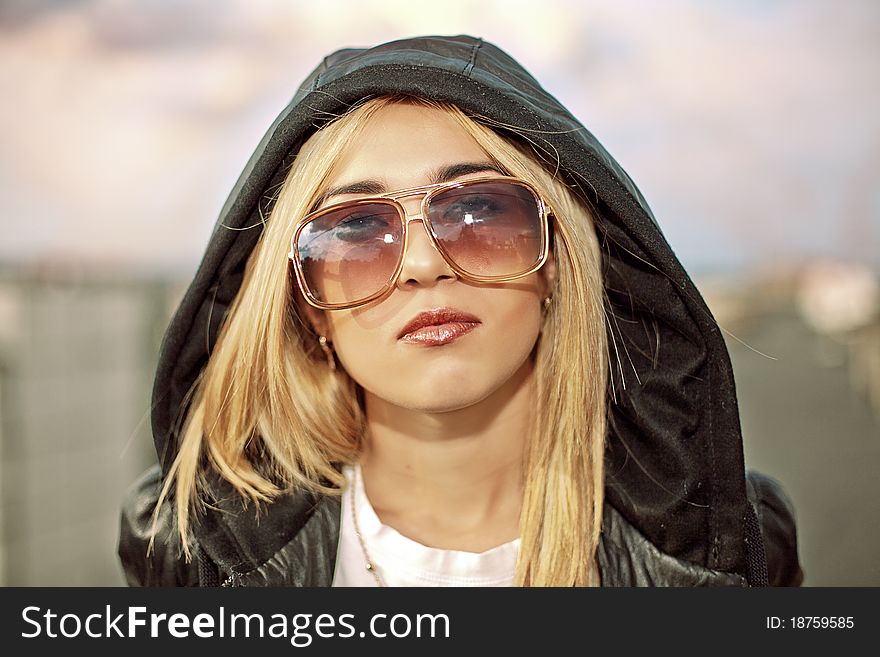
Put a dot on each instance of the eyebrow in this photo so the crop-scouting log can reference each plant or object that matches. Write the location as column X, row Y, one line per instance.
column 441, row 175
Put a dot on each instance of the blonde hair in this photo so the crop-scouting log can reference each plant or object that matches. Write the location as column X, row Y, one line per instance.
column 268, row 414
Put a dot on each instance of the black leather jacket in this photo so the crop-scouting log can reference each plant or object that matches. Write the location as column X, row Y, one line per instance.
column 679, row 507
column 296, row 545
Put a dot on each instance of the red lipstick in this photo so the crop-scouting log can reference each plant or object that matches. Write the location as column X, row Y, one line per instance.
column 433, row 328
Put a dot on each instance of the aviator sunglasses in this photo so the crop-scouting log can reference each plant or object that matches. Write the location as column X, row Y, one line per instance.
column 489, row 230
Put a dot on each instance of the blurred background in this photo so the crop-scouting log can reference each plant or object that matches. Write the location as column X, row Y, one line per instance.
column 750, row 126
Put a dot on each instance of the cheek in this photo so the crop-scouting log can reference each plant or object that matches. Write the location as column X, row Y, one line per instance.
column 517, row 330
column 364, row 352
column 354, row 347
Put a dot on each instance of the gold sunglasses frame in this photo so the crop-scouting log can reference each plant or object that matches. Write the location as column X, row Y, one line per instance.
column 427, row 192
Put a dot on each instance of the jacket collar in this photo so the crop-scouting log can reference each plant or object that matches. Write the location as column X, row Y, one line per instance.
column 294, row 543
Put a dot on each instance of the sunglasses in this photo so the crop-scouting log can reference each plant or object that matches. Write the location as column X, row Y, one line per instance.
column 489, row 230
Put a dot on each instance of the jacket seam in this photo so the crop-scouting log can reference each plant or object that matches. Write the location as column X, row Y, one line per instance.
column 245, row 573
column 470, row 65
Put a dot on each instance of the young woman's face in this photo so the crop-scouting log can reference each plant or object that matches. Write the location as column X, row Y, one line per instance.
column 402, row 147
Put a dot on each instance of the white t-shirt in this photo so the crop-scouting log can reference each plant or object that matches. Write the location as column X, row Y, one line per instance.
column 401, row 561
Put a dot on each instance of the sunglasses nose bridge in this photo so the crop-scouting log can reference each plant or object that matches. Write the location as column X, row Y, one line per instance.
column 421, row 258
column 412, row 206
column 418, row 217
column 410, row 218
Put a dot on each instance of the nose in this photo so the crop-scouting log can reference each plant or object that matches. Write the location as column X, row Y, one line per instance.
column 423, row 264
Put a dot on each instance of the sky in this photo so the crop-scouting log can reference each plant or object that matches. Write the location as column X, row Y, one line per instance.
column 750, row 127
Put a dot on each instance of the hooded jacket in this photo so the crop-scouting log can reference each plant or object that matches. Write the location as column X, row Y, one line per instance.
column 679, row 508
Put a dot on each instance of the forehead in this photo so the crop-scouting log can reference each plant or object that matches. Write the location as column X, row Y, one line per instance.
column 402, row 143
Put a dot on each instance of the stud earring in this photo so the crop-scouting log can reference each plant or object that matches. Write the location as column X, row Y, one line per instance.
column 328, row 352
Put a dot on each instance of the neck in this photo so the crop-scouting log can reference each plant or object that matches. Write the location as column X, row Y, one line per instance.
column 451, row 480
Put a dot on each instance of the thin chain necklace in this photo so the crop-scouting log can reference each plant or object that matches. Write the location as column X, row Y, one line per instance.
column 357, row 530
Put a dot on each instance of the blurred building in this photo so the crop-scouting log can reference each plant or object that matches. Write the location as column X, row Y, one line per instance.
column 77, row 354
column 840, row 302
column 805, row 345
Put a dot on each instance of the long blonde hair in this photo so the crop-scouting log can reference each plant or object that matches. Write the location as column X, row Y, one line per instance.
column 268, row 413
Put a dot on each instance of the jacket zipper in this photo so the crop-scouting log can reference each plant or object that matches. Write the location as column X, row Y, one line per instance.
column 232, row 580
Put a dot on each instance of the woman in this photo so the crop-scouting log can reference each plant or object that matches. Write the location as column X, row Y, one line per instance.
column 438, row 339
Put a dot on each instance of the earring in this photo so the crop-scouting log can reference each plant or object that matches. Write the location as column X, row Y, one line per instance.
column 328, row 352
column 547, row 301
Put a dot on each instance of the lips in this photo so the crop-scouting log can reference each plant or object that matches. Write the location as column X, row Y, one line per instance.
column 438, row 326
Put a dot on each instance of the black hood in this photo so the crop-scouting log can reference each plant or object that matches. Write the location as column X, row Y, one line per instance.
column 674, row 456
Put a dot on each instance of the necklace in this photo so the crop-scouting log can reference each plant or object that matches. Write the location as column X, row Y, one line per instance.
column 357, row 530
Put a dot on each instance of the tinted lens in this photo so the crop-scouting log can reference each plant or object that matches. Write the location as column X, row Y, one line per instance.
column 489, row 229
column 351, row 253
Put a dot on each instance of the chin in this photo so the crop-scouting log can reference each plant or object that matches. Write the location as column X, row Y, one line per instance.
column 442, row 385
column 448, row 406
column 444, row 398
